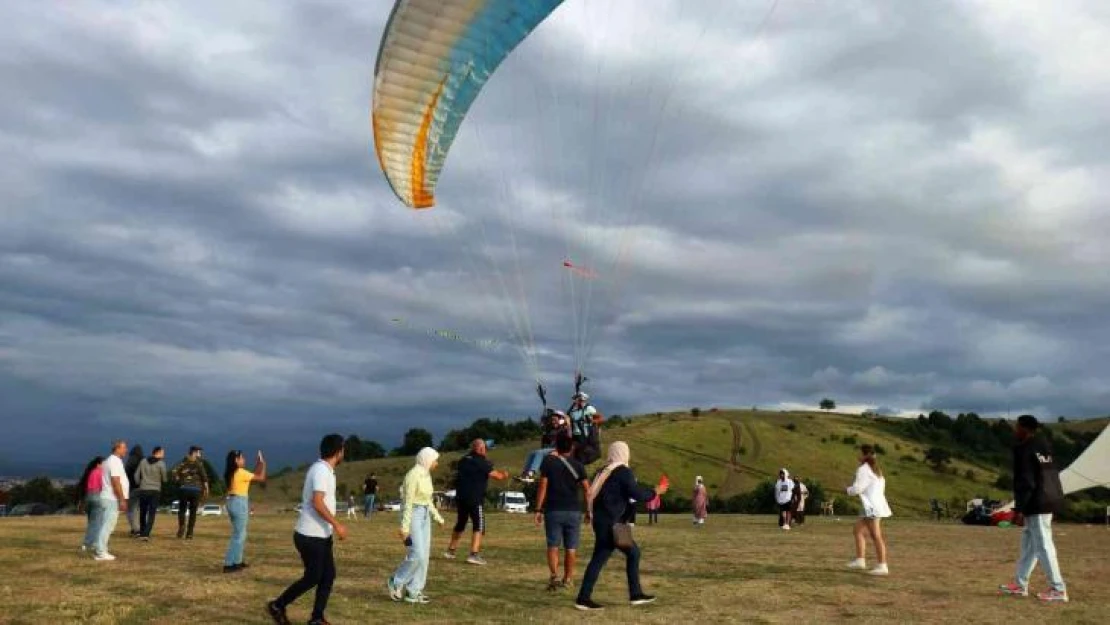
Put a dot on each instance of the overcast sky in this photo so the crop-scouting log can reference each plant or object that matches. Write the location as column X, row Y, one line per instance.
column 894, row 204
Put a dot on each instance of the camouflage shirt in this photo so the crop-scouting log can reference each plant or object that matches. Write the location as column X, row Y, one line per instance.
column 190, row 473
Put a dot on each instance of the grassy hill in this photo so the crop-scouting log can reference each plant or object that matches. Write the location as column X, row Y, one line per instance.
column 812, row 445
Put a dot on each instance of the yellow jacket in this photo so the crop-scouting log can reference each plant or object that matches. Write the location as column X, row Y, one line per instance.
column 417, row 491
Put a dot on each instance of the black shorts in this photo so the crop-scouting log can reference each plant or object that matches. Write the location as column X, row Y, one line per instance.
column 473, row 513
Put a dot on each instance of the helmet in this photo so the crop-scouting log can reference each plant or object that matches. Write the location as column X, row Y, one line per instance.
column 582, row 396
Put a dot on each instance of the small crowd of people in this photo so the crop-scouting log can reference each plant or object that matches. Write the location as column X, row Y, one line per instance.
column 111, row 486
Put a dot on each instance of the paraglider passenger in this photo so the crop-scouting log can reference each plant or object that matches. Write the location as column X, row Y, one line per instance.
column 554, row 423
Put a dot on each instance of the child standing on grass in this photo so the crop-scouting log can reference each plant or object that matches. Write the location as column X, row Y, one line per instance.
column 870, row 486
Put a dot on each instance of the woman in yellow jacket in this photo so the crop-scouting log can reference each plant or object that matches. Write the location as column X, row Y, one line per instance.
column 417, row 512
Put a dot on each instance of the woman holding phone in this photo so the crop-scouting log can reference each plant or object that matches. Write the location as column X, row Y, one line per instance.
column 239, row 480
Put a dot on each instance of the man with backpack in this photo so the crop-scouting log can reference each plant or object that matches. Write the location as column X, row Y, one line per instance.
column 559, row 508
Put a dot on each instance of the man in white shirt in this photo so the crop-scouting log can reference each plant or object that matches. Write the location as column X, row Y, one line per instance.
column 312, row 535
column 114, row 491
column 784, row 494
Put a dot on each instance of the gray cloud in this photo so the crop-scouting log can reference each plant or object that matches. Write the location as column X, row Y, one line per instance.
column 888, row 204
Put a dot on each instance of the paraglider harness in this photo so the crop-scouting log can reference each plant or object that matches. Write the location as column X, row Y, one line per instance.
column 586, row 435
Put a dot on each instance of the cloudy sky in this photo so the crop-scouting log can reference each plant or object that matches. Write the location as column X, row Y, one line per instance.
column 895, row 204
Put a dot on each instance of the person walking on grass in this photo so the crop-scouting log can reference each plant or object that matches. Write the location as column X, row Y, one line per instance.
column 653, row 509
column 1037, row 496
column 607, row 502
column 417, row 513
column 131, row 466
column 238, row 480
column 151, row 475
column 192, row 480
column 113, row 498
column 471, row 482
column 798, row 502
column 559, row 509
column 701, row 502
column 784, row 492
column 88, row 501
column 870, row 487
column 369, row 494
column 312, row 535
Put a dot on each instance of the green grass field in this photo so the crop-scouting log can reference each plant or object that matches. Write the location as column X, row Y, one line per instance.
column 737, row 569
column 683, row 447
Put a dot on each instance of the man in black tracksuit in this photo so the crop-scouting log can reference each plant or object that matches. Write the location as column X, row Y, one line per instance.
column 1037, row 496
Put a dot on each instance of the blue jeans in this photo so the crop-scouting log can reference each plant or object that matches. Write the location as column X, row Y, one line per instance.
column 109, row 514
column 95, row 515
column 413, row 572
column 1037, row 546
column 368, row 506
column 535, row 459
column 238, row 512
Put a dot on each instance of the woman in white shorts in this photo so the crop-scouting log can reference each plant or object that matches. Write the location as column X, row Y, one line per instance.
column 870, row 486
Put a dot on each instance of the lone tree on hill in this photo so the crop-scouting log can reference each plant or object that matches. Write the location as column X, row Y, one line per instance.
column 938, row 457
column 827, row 404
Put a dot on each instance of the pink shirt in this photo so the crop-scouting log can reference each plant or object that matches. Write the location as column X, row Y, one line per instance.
column 93, row 484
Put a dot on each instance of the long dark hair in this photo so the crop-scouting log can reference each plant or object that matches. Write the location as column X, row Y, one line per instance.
column 83, row 483
column 868, row 452
column 231, row 467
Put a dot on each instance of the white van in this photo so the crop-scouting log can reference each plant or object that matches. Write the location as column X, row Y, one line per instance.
column 513, row 501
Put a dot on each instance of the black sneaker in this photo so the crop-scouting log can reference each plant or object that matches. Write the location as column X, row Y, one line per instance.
column 232, row 569
column 181, row 533
column 242, row 565
column 587, row 605
column 642, row 599
column 278, row 614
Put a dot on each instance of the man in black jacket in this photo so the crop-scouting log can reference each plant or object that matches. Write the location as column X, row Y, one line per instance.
column 1037, row 496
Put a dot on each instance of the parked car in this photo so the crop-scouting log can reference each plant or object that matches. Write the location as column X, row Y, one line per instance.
column 512, row 501
column 211, row 509
column 392, row 506
column 30, row 509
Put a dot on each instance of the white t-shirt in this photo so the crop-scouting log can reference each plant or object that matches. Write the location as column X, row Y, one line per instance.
column 784, row 491
column 320, row 477
column 113, row 467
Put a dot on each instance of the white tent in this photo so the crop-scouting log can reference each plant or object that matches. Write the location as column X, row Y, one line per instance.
column 1091, row 468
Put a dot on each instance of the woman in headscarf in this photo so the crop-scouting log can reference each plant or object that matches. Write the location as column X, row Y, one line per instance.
column 701, row 502
column 607, row 502
column 417, row 512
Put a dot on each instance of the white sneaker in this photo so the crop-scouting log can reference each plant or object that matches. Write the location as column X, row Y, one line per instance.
column 104, row 557
column 858, row 564
column 879, row 569
column 786, row 528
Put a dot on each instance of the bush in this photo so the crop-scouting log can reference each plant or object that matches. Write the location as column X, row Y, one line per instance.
column 791, row 427
column 879, row 449
column 1004, row 482
column 824, row 440
column 970, row 475
column 908, row 458
column 849, row 440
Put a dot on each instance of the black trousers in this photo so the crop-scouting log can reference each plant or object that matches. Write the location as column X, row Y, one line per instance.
column 148, row 509
column 604, row 546
column 319, row 573
column 187, row 501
